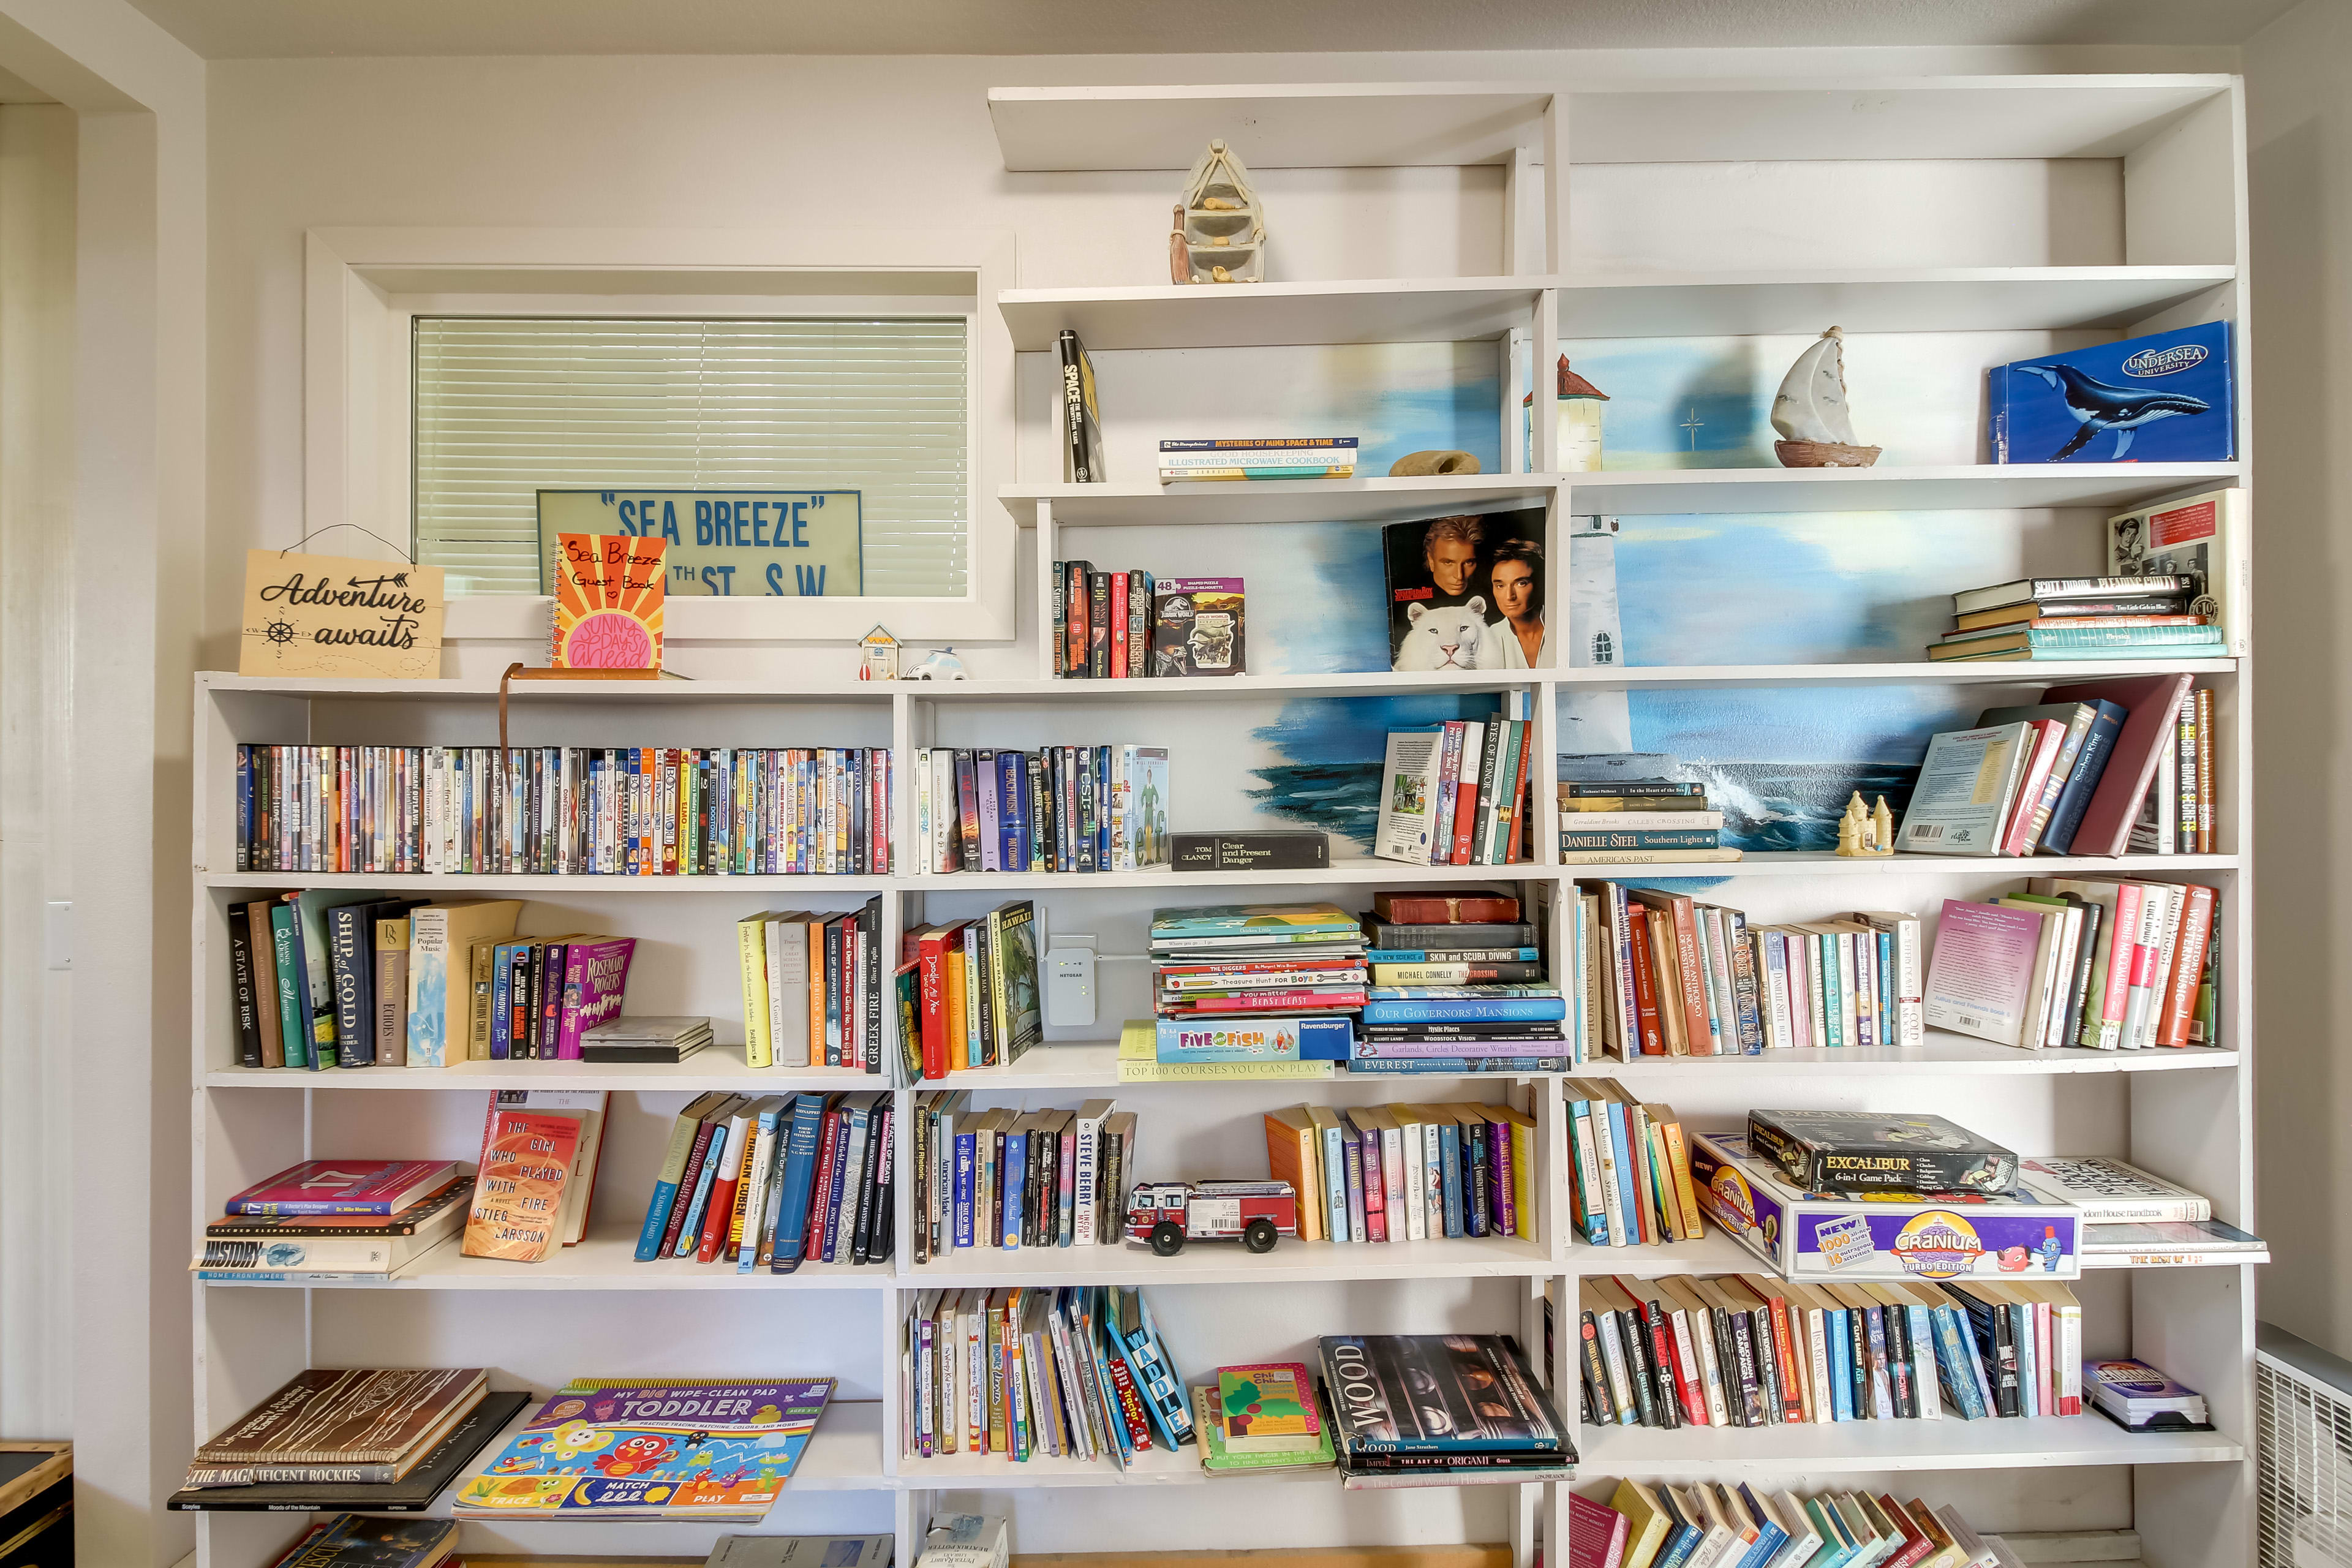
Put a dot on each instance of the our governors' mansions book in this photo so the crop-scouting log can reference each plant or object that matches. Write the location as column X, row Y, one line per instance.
column 651, row 1448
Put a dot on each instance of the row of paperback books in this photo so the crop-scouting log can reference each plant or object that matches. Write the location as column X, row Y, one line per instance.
column 1127, row 625
column 975, row 990
column 649, row 811
column 2101, row 963
column 808, row 978
column 1456, row 794
column 1654, row 1525
column 2072, row 774
column 1402, row 1172
column 1664, row 974
column 1663, row 819
column 1060, row 808
column 1630, row 1172
column 765, row 1181
column 1747, row 1350
column 1009, row 1179
column 1077, row 1372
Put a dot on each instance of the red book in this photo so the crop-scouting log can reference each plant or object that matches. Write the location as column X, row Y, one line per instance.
column 1784, row 1346
column 1645, row 982
column 1916, row 1543
column 1596, row 1534
column 2151, row 704
column 1118, row 625
column 2188, row 966
column 1259, row 1001
column 931, row 979
column 345, row 1188
column 2049, row 738
column 1471, row 906
column 1518, row 793
column 721, row 1211
column 686, row 1183
column 820, row 1189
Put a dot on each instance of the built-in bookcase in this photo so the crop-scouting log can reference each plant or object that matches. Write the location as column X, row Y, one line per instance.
column 1965, row 216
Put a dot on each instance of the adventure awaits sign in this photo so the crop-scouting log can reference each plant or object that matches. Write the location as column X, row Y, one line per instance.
column 334, row 615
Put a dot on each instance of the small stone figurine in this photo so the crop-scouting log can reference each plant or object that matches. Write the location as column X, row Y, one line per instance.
column 1810, row 411
column 1863, row 834
column 1218, row 233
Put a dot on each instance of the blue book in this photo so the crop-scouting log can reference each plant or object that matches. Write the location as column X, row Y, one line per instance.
column 1683, row 1533
column 773, row 1109
column 1882, row 1390
column 1595, row 1216
column 1840, row 1366
column 1620, row 1137
column 689, row 1233
column 1468, row 1010
column 1012, row 773
column 1012, row 1178
column 967, row 1145
column 1449, row 1143
column 1919, row 1325
column 1770, row 1536
column 2168, row 397
column 1458, row 1066
column 243, row 807
column 1335, row 1180
column 800, row 1178
column 1103, row 860
column 1428, row 955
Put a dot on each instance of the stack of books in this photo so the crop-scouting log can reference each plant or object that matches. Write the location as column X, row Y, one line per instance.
column 1642, row 819
column 2096, row 961
column 1127, row 625
column 1071, row 1372
column 2082, row 618
column 2138, row 1398
column 1456, row 794
column 1630, row 1174
column 1652, row 1522
column 975, row 984
column 366, row 1439
column 765, row 1181
column 641, row 1038
column 2136, row 1216
column 1007, row 1178
column 1259, row 458
column 335, row 1220
column 1440, row 1011
column 1439, row 1410
column 1060, row 808
column 1256, row 983
column 1265, row 1418
column 349, row 1541
column 1402, row 1172
column 716, row 1450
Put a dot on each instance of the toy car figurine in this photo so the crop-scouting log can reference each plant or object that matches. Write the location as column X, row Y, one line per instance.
column 1164, row 1215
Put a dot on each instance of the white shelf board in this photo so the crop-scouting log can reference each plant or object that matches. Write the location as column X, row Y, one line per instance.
column 1339, row 872
column 488, row 884
column 1848, row 1446
column 1943, row 1053
column 715, row 1066
column 1702, row 119
column 1923, row 672
column 1237, row 687
column 1315, row 125
column 486, row 687
column 1257, row 315
column 1227, row 1263
column 605, row 1260
column 1374, row 499
column 1960, row 487
column 1929, row 299
column 1159, row 1466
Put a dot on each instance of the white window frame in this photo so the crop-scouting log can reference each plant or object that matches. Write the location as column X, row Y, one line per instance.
column 365, row 286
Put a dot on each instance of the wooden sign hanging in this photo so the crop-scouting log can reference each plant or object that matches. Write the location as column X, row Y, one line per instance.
column 337, row 615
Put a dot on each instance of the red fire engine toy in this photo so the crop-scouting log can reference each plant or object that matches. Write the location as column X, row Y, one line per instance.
column 1166, row 1214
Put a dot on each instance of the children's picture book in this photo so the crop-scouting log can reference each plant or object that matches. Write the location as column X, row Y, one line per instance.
column 1198, row 627
column 1217, row 1459
column 2203, row 540
column 1082, row 443
column 609, row 590
column 1466, row 592
column 1267, row 1409
column 651, row 1448
column 2166, row 398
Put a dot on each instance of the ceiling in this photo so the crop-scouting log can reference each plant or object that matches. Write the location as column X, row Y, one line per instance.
column 244, row 29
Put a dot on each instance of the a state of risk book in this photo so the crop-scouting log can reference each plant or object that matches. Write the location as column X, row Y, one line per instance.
column 623, row 1448
column 609, row 591
column 1436, row 1393
column 357, row 1424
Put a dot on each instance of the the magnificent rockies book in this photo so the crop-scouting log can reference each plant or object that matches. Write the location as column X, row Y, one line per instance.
column 413, row 1493
column 1436, row 1393
column 360, row 1424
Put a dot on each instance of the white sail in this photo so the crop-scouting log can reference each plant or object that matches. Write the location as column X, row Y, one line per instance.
column 1810, row 404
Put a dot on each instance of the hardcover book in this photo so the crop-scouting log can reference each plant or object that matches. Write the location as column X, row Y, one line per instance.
column 2202, row 540
column 1082, row 450
column 363, row 1425
column 412, row 1493
column 345, row 1187
column 1267, row 1409
column 2165, row 398
column 1435, row 1394
column 1250, row 851
column 354, row 1541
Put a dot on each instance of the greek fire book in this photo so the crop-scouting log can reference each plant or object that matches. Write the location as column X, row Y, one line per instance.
column 651, row 1448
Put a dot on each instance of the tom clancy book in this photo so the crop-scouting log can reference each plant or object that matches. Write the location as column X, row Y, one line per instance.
column 1870, row 1150
column 1436, row 1393
column 1197, row 627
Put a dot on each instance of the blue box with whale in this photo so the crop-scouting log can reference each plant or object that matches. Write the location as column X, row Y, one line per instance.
column 2169, row 397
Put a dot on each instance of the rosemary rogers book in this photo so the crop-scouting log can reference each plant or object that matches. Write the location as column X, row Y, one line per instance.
column 626, row 1449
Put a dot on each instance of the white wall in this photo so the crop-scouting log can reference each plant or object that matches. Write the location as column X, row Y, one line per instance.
column 2299, row 124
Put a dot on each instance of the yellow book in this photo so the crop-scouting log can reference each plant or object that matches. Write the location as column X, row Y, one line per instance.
column 1292, row 1150
column 959, row 996
column 1678, row 1169
column 1645, row 1522
column 752, row 950
column 1139, row 1062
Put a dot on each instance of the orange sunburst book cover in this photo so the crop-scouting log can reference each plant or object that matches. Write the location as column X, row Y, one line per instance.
column 609, row 591
column 525, row 1160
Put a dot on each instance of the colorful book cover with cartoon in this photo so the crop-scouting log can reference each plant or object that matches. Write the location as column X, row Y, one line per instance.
column 647, row 1449
column 609, row 593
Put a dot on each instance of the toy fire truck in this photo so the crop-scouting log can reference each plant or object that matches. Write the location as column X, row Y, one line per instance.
column 1164, row 1215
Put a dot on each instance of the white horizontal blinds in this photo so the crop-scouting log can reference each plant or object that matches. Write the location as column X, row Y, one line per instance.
column 505, row 407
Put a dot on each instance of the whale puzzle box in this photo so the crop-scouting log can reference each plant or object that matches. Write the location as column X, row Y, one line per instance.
column 2166, row 398
column 1808, row 1236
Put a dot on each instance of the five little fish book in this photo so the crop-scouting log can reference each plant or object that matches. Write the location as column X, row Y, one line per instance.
column 650, row 1448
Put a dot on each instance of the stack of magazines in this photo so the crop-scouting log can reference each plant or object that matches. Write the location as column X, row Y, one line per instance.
column 1258, row 982
column 1439, row 1410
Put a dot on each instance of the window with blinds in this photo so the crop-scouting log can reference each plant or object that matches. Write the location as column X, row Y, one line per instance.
column 506, row 407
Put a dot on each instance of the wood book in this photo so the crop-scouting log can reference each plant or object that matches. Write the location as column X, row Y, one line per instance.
column 368, row 1424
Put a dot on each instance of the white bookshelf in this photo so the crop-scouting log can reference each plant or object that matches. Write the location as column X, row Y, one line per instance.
column 2185, row 1113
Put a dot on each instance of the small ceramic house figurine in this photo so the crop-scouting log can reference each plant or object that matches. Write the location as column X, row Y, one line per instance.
column 1220, row 226
column 1577, row 411
column 877, row 655
column 1809, row 412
